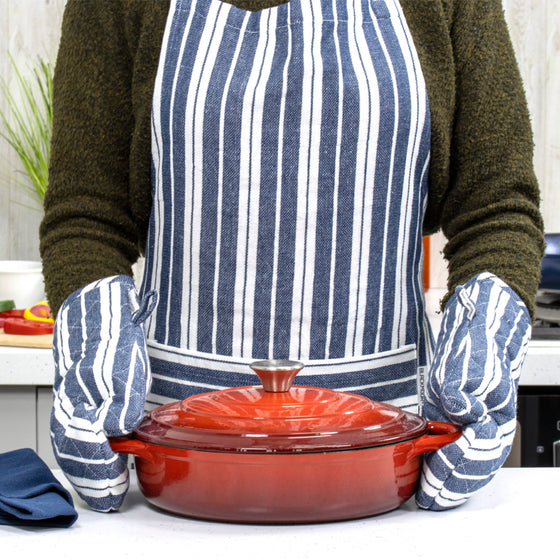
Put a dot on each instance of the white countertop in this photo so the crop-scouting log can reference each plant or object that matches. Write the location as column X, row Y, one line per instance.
column 515, row 516
column 26, row 366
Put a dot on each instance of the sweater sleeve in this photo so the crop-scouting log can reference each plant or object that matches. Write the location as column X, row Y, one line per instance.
column 88, row 231
column 490, row 214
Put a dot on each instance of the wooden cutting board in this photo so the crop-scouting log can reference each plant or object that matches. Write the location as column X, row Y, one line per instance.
column 27, row 341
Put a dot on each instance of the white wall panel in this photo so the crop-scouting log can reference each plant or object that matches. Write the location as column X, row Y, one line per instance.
column 551, row 111
column 28, row 28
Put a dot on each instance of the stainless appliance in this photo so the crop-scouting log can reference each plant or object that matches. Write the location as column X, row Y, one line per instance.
column 538, row 430
column 547, row 310
column 538, row 435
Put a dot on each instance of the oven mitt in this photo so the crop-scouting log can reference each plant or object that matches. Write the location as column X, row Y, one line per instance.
column 102, row 377
column 30, row 495
column 473, row 382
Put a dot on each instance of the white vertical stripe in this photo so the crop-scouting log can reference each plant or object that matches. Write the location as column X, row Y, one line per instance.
column 384, row 290
column 277, row 217
column 518, row 360
column 153, row 257
column 84, row 337
column 63, row 407
column 422, row 322
column 447, row 328
column 330, row 312
column 498, row 300
column 64, row 358
column 109, row 335
column 220, row 185
column 154, row 260
column 135, row 357
column 365, row 176
column 308, row 178
column 250, row 160
column 194, row 127
column 171, row 188
column 417, row 120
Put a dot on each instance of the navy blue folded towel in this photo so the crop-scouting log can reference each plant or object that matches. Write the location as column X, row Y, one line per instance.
column 30, row 495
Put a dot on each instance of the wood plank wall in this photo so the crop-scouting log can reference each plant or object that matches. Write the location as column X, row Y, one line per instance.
column 28, row 28
column 31, row 27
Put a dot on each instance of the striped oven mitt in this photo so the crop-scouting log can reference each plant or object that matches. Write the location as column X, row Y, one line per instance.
column 102, row 377
column 473, row 382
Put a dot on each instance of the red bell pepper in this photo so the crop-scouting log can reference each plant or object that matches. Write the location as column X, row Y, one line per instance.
column 18, row 325
column 10, row 313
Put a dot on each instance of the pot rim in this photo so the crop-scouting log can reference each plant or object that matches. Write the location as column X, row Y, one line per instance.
column 249, row 450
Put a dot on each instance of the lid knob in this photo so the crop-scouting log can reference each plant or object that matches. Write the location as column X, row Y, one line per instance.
column 276, row 376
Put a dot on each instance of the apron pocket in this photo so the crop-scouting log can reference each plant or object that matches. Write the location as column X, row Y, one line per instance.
column 386, row 376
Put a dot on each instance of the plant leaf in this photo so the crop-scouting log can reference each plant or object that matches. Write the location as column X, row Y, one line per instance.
column 27, row 125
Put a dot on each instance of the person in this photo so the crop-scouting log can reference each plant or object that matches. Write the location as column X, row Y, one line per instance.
column 278, row 164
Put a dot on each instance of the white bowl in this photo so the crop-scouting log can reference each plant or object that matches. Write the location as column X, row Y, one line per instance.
column 22, row 281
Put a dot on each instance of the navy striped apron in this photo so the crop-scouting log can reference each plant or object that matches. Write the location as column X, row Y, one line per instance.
column 290, row 155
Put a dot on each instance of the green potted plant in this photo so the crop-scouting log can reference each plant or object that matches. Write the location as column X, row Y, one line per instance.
column 26, row 126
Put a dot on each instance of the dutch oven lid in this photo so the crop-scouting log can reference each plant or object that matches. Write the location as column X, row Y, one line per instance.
column 278, row 417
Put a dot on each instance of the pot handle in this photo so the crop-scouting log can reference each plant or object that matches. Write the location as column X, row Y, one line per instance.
column 439, row 434
column 131, row 446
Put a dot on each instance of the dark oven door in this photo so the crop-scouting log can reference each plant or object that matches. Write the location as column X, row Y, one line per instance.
column 539, row 426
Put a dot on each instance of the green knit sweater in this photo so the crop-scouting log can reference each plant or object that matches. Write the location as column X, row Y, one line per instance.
column 482, row 189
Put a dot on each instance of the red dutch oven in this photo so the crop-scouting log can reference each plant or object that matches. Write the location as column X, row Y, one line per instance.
column 279, row 453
